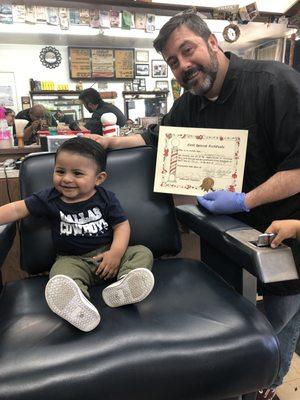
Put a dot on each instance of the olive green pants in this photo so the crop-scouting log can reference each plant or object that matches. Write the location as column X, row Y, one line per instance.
column 82, row 268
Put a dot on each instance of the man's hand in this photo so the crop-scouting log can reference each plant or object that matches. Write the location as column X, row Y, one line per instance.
column 223, row 202
column 35, row 126
column 100, row 139
column 286, row 229
column 109, row 264
column 44, row 125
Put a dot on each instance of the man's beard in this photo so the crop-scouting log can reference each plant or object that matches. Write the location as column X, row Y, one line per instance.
column 210, row 74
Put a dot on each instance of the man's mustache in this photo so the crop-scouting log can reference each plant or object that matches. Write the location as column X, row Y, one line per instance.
column 190, row 72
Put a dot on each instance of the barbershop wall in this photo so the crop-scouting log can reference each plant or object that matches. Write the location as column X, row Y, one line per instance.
column 24, row 62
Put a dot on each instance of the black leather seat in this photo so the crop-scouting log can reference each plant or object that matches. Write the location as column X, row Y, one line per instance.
column 7, row 234
column 193, row 338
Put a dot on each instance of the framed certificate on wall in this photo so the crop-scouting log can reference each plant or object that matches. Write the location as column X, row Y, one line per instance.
column 103, row 63
column 80, row 63
column 95, row 63
column 124, row 65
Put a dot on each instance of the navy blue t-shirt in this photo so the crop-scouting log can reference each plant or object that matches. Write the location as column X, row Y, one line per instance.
column 78, row 228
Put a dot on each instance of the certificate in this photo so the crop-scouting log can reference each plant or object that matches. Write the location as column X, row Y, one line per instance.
column 194, row 161
column 80, row 63
column 124, row 64
column 102, row 63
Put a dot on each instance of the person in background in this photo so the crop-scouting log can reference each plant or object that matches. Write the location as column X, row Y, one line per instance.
column 92, row 101
column 38, row 118
column 61, row 117
column 90, row 234
column 10, row 118
column 224, row 91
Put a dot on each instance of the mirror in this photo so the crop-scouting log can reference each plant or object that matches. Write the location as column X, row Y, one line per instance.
column 50, row 57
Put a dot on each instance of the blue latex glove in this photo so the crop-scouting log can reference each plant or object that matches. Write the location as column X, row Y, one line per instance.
column 223, row 202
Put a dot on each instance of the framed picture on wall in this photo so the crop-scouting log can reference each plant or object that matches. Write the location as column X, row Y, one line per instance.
column 159, row 69
column 135, row 87
column 142, row 56
column 162, row 85
column 142, row 85
column 141, row 69
column 101, row 63
column 128, row 86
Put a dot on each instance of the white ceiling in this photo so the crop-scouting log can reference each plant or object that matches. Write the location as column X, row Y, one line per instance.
column 276, row 6
column 252, row 34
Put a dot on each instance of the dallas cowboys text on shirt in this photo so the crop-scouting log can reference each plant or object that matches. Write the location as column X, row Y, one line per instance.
column 90, row 223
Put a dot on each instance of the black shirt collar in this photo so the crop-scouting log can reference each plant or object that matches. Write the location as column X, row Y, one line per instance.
column 230, row 81
column 231, row 78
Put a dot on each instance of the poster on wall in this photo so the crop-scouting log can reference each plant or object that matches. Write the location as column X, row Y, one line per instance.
column 80, row 63
column 124, row 64
column 8, row 94
column 102, row 63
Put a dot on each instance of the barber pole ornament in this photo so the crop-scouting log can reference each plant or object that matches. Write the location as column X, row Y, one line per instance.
column 109, row 127
column 174, row 160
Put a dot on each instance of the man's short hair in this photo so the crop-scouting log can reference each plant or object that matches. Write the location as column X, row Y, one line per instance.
column 8, row 111
column 190, row 19
column 90, row 95
column 37, row 111
column 87, row 148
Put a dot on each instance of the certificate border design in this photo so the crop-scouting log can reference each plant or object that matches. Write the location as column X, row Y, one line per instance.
column 169, row 167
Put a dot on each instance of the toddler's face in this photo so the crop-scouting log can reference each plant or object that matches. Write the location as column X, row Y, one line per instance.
column 76, row 176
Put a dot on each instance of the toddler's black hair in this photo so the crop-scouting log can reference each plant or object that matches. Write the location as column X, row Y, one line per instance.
column 87, row 148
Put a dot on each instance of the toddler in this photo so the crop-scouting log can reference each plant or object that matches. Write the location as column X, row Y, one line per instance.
column 90, row 233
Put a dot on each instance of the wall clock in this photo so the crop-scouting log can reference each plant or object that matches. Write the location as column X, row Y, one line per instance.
column 50, row 57
column 231, row 33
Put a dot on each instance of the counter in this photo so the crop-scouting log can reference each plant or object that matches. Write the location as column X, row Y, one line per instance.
column 16, row 152
column 10, row 173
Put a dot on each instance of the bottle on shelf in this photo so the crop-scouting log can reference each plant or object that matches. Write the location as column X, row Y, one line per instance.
column 32, row 84
column 79, row 86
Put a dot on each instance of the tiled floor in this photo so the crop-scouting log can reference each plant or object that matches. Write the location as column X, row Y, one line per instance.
column 290, row 389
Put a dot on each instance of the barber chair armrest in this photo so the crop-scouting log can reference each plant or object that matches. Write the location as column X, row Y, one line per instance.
column 236, row 240
column 7, row 235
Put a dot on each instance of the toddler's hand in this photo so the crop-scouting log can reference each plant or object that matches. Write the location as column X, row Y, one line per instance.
column 285, row 229
column 109, row 264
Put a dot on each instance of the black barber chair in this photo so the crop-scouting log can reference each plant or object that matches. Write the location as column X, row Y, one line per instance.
column 193, row 338
column 7, row 234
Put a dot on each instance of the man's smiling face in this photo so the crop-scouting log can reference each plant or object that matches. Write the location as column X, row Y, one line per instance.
column 193, row 62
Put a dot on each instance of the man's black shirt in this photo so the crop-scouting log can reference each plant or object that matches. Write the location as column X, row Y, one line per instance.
column 262, row 97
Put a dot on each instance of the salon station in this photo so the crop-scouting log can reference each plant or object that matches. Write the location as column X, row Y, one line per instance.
column 51, row 51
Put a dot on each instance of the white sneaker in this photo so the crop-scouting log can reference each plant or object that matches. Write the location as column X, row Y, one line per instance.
column 131, row 288
column 66, row 300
